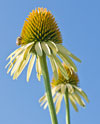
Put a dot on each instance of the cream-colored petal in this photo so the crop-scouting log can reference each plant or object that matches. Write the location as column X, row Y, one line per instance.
column 11, row 65
column 82, row 93
column 58, row 103
column 62, row 69
column 16, row 51
column 73, row 102
column 19, row 50
column 22, row 60
column 53, row 46
column 63, row 50
column 12, row 58
column 54, row 67
column 29, row 70
column 78, row 99
column 46, row 48
column 18, row 61
column 45, row 106
column 38, row 49
column 67, row 60
column 57, row 88
column 21, row 67
column 63, row 89
column 70, row 88
column 55, row 97
column 44, row 101
column 38, row 68
column 42, row 98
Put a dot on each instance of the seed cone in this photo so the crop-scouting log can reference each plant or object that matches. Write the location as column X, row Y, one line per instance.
column 40, row 26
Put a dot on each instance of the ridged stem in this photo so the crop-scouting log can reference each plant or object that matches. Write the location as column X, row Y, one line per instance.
column 48, row 89
column 67, row 107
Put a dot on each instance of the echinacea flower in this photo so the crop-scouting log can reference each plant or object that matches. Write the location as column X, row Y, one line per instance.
column 40, row 35
column 59, row 88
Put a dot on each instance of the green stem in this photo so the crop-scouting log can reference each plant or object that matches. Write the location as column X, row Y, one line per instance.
column 67, row 107
column 48, row 89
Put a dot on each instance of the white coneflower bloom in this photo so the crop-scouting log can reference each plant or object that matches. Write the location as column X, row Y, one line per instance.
column 40, row 35
column 59, row 87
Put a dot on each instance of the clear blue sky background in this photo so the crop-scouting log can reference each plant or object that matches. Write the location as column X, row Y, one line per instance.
column 79, row 22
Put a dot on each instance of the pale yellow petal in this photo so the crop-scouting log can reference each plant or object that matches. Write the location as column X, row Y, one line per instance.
column 38, row 48
column 11, row 65
column 63, row 89
column 55, row 97
column 62, row 69
column 72, row 100
column 29, row 70
column 16, row 51
column 53, row 46
column 78, row 99
column 54, row 67
column 42, row 98
column 46, row 48
column 45, row 106
column 18, row 61
column 63, row 50
column 58, row 103
column 21, row 67
column 38, row 68
column 67, row 60
column 82, row 93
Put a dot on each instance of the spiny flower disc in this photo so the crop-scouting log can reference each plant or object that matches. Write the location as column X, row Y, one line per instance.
column 40, row 26
column 73, row 78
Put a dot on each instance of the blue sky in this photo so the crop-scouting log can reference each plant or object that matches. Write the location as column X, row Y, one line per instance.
column 79, row 23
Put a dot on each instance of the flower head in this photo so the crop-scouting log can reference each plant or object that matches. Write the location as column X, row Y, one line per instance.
column 40, row 35
column 60, row 86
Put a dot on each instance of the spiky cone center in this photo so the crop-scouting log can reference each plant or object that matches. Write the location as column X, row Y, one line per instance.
column 59, row 88
column 40, row 26
column 72, row 77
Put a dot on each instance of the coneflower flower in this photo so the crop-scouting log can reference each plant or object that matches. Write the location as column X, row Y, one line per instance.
column 59, row 88
column 40, row 35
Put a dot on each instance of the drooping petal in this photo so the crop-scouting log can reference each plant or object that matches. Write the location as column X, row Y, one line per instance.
column 53, row 46
column 78, row 99
column 62, row 69
column 21, row 67
column 55, row 97
column 45, row 106
column 11, row 65
column 46, row 48
column 38, row 49
column 42, row 98
column 63, row 50
column 29, row 70
column 18, row 61
column 72, row 100
column 58, row 103
column 82, row 93
column 54, row 67
column 63, row 89
column 16, row 51
column 67, row 60
column 38, row 68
